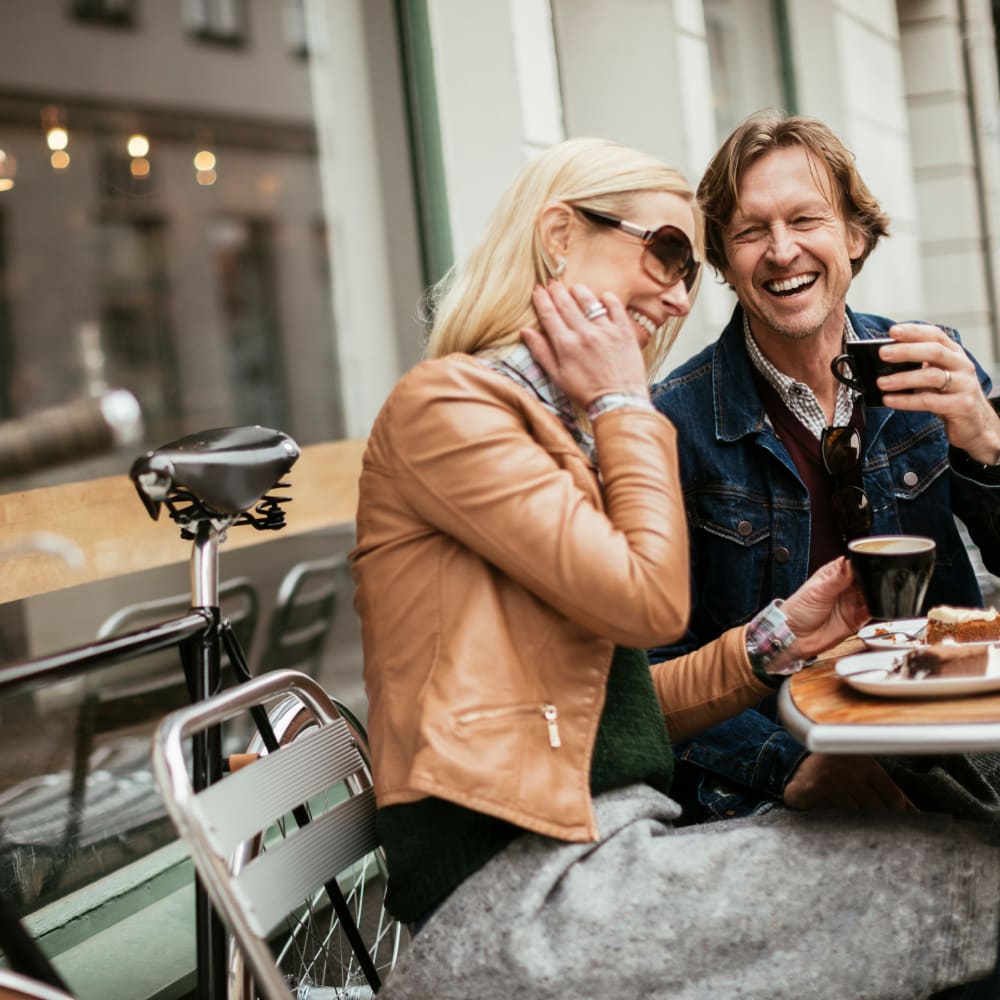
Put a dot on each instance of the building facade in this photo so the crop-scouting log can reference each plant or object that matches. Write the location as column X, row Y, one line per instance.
column 351, row 149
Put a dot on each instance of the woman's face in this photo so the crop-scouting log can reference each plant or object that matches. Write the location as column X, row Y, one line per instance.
column 606, row 259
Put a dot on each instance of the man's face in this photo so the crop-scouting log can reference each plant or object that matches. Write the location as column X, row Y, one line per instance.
column 789, row 250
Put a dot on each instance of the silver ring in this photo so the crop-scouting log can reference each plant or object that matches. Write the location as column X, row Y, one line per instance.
column 595, row 311
column 947, row 380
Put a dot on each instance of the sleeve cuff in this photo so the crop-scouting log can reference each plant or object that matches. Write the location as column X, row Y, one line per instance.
column 987, row 475
column 615, row 401
column 767, row 637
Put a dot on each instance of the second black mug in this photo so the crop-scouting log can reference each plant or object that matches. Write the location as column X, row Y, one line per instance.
column 862, row 358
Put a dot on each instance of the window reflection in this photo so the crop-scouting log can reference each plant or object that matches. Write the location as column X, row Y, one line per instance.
column 164, row 230
column 219, row 20
column 245, row 274
column 160, row 232
column 135, row 332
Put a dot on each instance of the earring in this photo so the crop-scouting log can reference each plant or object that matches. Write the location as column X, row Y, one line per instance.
column 559, row 268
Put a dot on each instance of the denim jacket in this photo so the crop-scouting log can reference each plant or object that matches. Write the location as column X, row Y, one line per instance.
column 749, row 522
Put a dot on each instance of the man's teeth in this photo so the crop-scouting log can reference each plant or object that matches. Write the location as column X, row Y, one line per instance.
column 645, row 322
column 790, row 284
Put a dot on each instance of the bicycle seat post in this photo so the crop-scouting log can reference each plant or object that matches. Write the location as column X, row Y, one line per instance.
column 206, row 746
column 207, row 652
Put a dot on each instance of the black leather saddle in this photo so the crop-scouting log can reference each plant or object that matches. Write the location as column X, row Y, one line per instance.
column 220, row 473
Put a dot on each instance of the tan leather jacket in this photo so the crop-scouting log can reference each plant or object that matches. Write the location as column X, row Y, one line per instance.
column 495, row 574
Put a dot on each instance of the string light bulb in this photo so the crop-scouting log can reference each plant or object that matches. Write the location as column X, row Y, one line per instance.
column 57, row 138
column 8, row 168
column 138, row 146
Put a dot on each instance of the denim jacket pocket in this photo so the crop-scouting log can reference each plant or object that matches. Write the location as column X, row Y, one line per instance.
column 921, row 490
column 732, row 546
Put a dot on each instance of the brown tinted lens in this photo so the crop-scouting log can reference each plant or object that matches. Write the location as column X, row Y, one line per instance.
column 668, row 258
column 841, row 448
column 851, row 511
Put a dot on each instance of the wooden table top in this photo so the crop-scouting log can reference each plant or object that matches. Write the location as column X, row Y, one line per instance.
column 822, row 710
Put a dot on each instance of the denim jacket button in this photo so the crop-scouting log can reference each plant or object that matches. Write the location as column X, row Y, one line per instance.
column 781, row 554
column 910, row 478
column 744, row 528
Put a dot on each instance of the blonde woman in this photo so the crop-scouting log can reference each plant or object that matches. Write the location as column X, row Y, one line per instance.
column 521, row 541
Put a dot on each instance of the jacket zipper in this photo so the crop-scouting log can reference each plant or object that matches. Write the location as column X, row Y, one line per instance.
column 548, row 712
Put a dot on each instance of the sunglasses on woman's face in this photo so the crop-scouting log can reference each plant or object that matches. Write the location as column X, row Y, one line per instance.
column 667, row 257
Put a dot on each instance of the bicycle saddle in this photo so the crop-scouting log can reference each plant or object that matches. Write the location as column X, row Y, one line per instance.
column 220, row 473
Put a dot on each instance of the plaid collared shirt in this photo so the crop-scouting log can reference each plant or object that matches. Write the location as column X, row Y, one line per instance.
column 797, row 396
column 518, row 363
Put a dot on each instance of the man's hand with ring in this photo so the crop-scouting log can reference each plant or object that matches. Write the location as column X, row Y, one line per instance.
column 946, row 385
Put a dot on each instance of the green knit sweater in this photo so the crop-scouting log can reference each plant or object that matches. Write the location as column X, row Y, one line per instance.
column 433, row 845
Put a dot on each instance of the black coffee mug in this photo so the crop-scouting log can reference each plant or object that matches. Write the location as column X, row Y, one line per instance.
column 866, row 366
column 894, row 571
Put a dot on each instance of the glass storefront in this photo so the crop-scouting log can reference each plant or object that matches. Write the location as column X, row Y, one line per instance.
column 166, row 225
column 162, row 227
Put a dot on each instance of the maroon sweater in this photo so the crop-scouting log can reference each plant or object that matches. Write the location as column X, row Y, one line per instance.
column 825, row 542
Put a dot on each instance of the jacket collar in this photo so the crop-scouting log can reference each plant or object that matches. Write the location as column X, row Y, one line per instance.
column 736, row 403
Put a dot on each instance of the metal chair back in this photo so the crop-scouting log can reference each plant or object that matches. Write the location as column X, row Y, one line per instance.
column 245, row 804
column 303, row 615
column 14, row 986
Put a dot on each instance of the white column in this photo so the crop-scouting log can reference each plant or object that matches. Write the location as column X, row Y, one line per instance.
column 953, row 226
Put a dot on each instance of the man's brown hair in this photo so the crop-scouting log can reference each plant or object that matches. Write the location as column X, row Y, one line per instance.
column 770, row 129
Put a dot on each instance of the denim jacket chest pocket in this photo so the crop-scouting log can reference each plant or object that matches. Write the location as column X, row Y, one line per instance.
column 732, row 529
column 908, row 484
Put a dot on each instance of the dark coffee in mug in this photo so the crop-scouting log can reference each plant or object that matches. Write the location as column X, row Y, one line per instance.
column 894, row 571
column 860, row 366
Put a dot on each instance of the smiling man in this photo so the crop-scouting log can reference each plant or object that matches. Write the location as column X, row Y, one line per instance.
column 772, row 493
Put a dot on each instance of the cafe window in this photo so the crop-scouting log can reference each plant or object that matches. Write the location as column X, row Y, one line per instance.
column 133, row 342
column 216, row 20
column 119, row 13
column 244, row 258
column 296, row 34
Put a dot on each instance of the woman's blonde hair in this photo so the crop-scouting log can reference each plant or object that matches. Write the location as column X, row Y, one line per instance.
column 487, row 301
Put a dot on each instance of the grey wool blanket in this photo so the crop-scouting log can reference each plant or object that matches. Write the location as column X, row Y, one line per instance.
column 781, row 906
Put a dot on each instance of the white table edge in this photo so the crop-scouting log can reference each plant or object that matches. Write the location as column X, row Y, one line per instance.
column 958, row 737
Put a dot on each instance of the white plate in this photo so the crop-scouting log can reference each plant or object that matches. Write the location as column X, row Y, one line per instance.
column 879, row 681
column 878, row 635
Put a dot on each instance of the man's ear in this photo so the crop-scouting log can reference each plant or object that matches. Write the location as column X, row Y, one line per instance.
column 855, row 241
column 554, row 226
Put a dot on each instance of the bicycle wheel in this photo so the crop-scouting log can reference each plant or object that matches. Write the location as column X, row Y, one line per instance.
column 312, row 948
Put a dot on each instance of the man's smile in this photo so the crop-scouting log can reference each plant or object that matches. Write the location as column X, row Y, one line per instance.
column 790, row 286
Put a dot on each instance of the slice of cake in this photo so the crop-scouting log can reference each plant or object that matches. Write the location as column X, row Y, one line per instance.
column 962, row 624
column 949, row 660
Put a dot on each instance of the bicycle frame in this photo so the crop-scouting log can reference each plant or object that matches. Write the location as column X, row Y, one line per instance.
column 195, row 478
column 200, row 637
